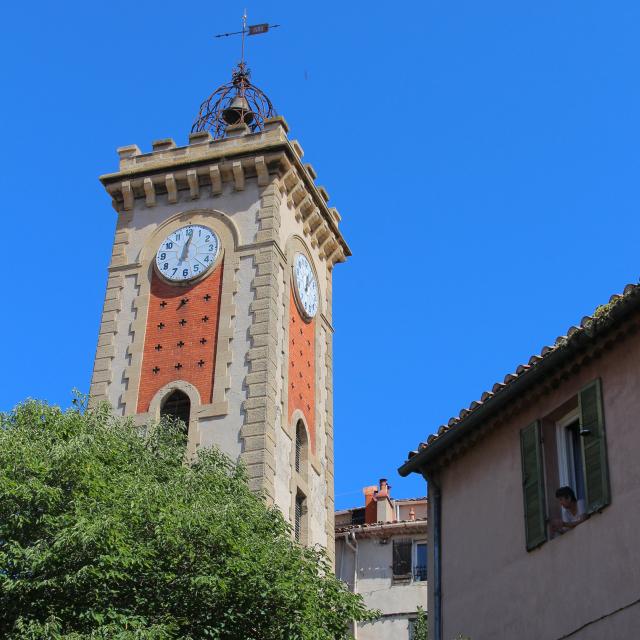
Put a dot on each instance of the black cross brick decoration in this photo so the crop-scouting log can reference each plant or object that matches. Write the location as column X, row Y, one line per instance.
column 183, row 302
column 180, row 344
column 156, row 369
column 207, row 298
column 178, row 366
column 158, row 347
column 205, row 318
column 183, row 322
column 203, row 341
column 161, row 325
column 201, row 363
column 163, row 304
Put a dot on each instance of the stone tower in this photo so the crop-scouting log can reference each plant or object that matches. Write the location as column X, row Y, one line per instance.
column 218, row 302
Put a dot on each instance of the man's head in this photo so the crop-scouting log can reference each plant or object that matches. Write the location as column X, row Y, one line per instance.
column 566, row 496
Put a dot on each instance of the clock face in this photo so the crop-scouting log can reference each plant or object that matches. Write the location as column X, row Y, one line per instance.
column 306, row 286
column 187, row 253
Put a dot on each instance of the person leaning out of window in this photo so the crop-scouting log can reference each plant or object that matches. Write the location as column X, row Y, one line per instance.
column 572, row 511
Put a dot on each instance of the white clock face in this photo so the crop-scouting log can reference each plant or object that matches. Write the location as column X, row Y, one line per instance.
column 306, row 286
column 187, row 253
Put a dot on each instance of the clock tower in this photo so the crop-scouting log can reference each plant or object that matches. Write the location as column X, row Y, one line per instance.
column 218, row 301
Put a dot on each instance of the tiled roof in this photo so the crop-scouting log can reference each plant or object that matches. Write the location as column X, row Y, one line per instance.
column 603, row 318
column 382, row 526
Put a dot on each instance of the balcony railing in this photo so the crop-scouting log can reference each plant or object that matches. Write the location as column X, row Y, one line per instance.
column 419, row 574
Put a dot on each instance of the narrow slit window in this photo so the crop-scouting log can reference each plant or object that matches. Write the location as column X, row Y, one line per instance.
column 299, row 513
column 301, row 448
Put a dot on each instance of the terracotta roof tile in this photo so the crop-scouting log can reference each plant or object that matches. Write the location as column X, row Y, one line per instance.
column 396, row 524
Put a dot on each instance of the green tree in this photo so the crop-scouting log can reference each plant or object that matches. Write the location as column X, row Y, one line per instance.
column 421, row 628
column 105, row 532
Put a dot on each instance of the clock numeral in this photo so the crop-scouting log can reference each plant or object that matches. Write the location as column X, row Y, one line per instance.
column 165, row 266
column 185, row 273
column 174, row 271
column 207, row 238
column 206, row 259
column 196, row 268
column 163, row 256
column 210, row 247
column 177, row 236
column 169, row 245
column 189, row 232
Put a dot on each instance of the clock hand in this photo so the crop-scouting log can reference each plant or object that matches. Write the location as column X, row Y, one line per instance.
column 185, row 248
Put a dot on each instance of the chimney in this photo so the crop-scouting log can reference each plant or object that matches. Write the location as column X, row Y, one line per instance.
column 385, row 510
column 412, row 514
column 370, row 509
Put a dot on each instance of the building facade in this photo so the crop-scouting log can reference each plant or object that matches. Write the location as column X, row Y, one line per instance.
column 218, row 302
column 381, row 553
column 508, row 560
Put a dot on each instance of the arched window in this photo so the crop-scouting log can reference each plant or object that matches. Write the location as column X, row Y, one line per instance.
column 177, row 405
column 301, row 447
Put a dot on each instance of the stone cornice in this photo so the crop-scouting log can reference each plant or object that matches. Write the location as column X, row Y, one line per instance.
column 205, row 165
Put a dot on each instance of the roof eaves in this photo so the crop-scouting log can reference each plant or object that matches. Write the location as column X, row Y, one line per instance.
column 591, row 327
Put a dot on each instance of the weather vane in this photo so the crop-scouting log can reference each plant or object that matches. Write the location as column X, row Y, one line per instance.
column 237, row 102
column 251, row 30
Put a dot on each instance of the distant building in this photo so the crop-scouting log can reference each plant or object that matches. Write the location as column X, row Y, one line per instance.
column 509, row 561
column 381, row 553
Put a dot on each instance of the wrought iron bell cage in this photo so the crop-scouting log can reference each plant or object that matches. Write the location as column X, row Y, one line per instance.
column 234, row 103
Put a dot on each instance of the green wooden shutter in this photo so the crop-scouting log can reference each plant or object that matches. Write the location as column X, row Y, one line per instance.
column 594, row 448
column 533, row 486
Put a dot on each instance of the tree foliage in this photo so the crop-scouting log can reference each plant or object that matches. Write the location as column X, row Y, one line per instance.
column 421, row 628
column 105, row 532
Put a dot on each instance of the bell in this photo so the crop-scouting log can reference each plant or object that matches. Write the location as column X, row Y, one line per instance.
column 238, row 110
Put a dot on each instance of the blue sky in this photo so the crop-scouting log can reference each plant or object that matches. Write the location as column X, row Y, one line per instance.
column 483, row 155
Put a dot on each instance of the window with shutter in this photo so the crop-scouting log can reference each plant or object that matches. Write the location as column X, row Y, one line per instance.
column 402, row 558
column 420, row 568
column 533, row 486
column 594, row 449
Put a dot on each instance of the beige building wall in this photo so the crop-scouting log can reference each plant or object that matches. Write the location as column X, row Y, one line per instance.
column 373, row 580
column 583, row 585
column 405, row 508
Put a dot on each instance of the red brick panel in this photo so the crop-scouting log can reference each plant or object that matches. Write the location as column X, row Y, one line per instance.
column 302, row 367
column 182, row 332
